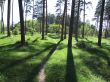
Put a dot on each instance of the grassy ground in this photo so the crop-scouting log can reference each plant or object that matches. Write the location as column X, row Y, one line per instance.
column 87, row 63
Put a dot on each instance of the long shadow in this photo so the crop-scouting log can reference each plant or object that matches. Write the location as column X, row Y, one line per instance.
column 14, row 63
column 10, row 46
column 95, row 62
column 70, row 67
column 54, row 36
column 36, row 70
column 3, row 37
column 94, row 51
column 100, row 53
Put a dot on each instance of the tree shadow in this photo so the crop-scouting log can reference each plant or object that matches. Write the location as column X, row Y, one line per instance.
column 106, row 46
column 10, row 46
column 70, row 68
column 36, row 70
column 14, row 46
column 54, row 36
column 99, row 61
column 100, row 52
column 17, row 62
column 3, row 37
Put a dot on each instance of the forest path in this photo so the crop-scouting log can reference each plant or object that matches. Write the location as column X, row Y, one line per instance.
column 41, row 74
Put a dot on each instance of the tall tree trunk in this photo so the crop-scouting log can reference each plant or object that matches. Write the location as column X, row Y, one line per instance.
column 2, row 21
column 8, row 18
column 1, row 18
column 25, row 18
column 63, row 20
column 12, row 13
column 46, row 18
column 97, row 21
column 83, row 30
column 101, row 23
column 77, row 22
column 43, row 19
column 71, row 24
column 21, row 22
column 40, row 26
column 32, row 16
column 65, row 30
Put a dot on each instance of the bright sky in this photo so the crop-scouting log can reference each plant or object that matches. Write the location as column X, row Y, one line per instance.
column 51, row 9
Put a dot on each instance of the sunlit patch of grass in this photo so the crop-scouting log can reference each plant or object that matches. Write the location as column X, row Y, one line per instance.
column 56, row 66
column 19, row 64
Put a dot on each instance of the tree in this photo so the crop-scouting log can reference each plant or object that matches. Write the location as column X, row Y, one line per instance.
column 83, row 21
column 38, row 12
column 101, row 23
column 33, row 16
column 2, row 11
column 71, row 24
column 65, row 26
column 77, row 22
column 97, row 12
column 63, row 19
column 43, row 20
column 8, row 18
column 58, row 11
column 51, row 18
column 46, row 18
column 27, row 9
column 21, row 22
column 84, row 10
column 12, row 12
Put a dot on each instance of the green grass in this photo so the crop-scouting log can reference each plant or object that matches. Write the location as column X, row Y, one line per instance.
column 87, row 63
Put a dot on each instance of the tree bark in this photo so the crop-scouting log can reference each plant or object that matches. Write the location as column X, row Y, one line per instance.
column 71, row 24
column 43, row 20
column 65, row 30
column 8, row 18
column 25, row 18
column 46, row 19
column 63, row 20
column 77, row 22
column 21, row 22
column 32, row 16
column 12, row 13
column 101, row 23
column 83, row 30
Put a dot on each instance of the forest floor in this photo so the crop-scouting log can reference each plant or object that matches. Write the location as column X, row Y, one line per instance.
column 51, row 60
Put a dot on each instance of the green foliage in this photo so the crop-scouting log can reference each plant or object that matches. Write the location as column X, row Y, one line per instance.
column 16, row 29
column 54, row 28
column 29, row 29
column 90, row 30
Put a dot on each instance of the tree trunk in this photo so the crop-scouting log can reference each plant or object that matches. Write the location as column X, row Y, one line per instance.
column 65, row 30
column 83, row 30
column 101, row 23
column 46, row 18
column 2, row 21
column 8, row 18
column 1, row 18
column 12, row 13
column 25, row 19
column 21, row 22
column 71, row 24
column 40, row 26
column 32, row 16
column 77, row 22
column 43, row 20
column 63, row 20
